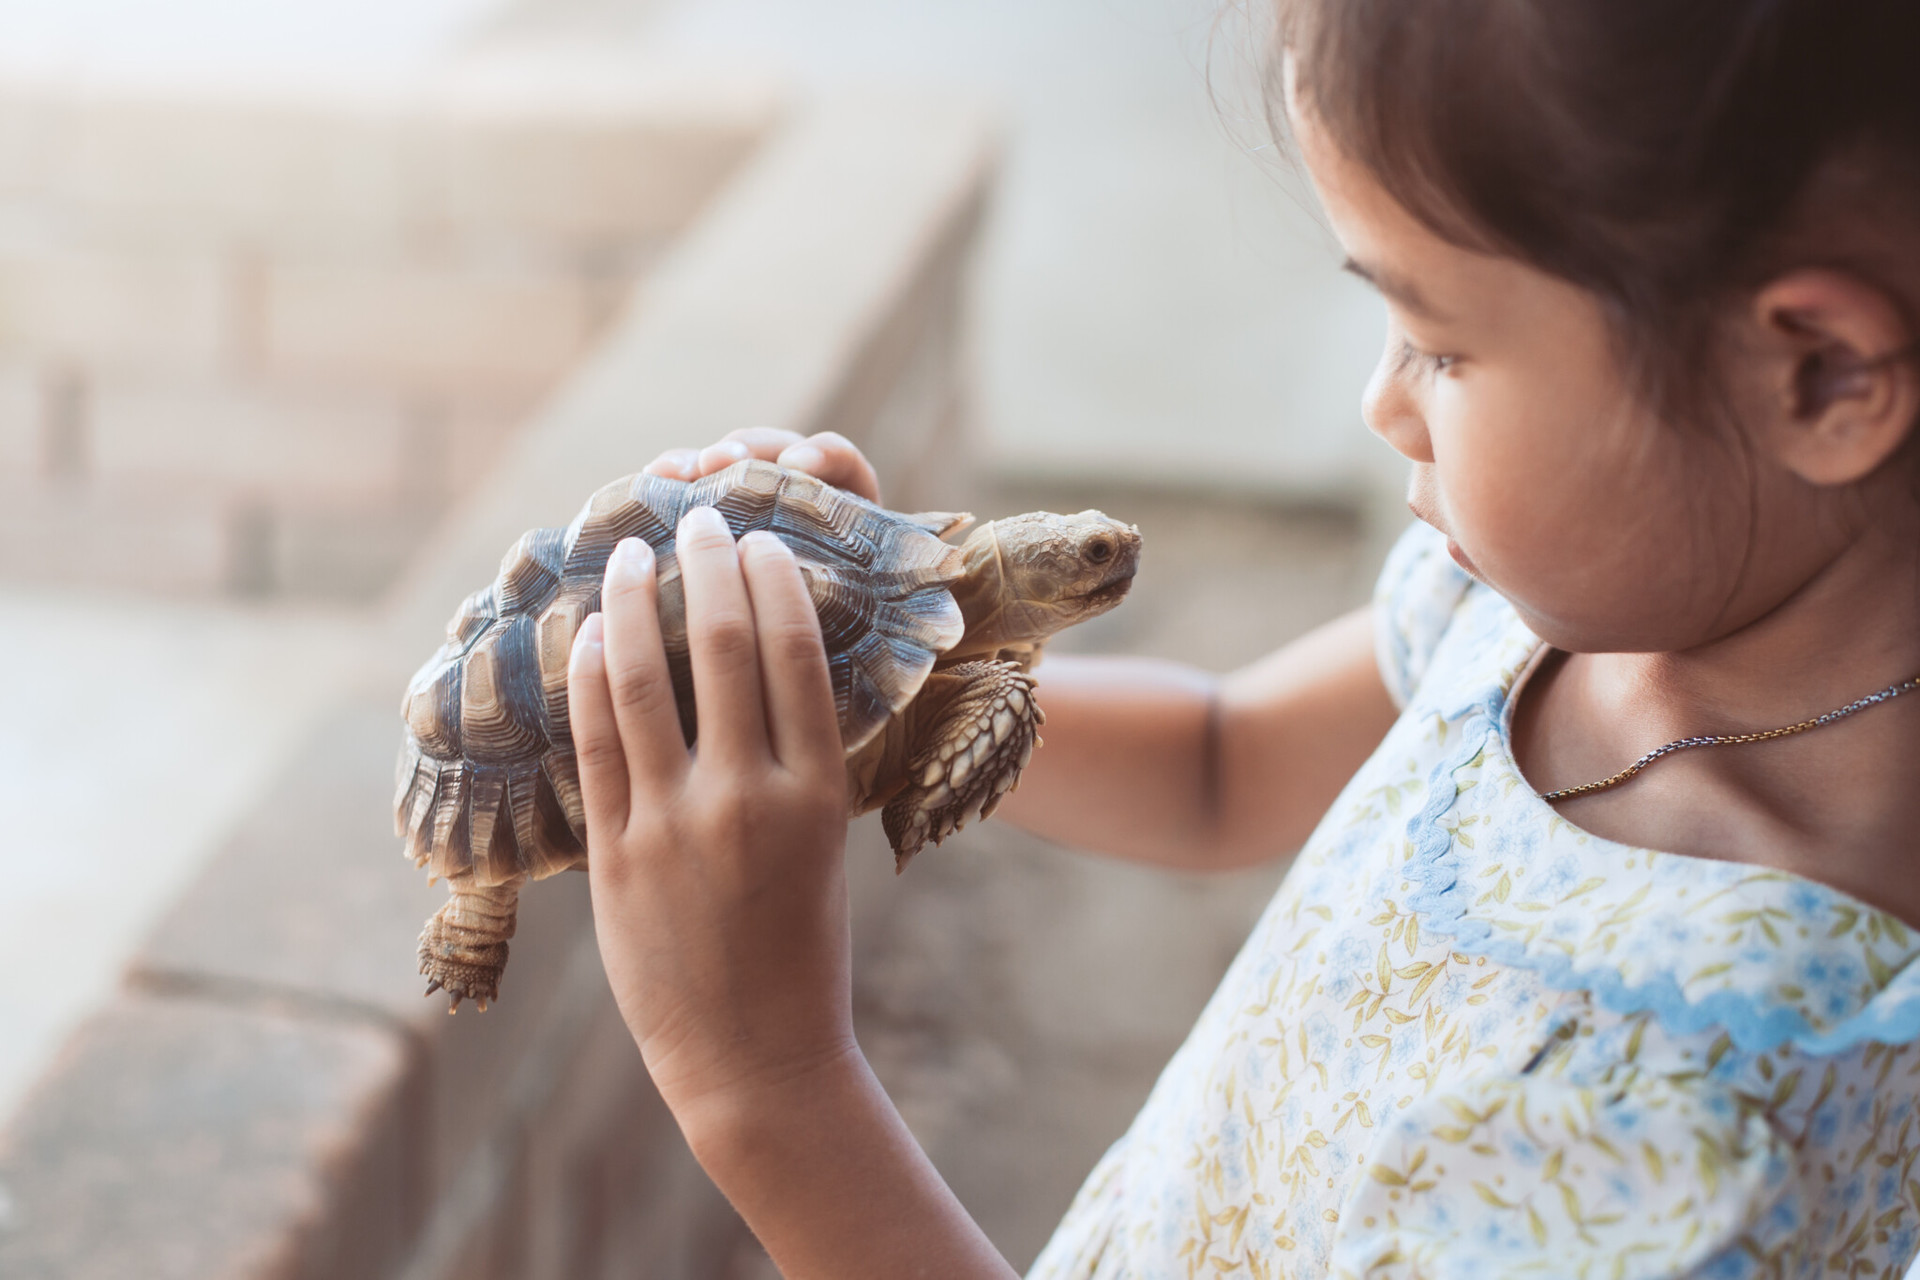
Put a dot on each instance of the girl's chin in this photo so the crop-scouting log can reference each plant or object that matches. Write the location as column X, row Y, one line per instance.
column 1460, row 558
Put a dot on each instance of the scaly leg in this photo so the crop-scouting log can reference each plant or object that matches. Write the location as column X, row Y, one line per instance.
column 969, row 754
column 464, row 946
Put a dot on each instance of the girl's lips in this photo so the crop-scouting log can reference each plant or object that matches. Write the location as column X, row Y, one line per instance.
column 1453, row 548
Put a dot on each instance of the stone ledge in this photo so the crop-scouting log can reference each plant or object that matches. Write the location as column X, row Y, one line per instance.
column 182, row 1138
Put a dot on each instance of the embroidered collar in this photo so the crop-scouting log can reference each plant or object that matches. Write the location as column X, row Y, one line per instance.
column 1767, row 955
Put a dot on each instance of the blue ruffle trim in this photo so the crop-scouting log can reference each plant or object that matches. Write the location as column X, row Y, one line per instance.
column 1892, row 1016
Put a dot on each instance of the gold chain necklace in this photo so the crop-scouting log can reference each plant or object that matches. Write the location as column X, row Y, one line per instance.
column 1887, row 694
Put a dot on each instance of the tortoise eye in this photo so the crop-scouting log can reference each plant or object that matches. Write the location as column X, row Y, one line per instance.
column 1099, row 551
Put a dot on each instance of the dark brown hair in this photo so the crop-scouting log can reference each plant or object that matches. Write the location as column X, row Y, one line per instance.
column 1667, row 155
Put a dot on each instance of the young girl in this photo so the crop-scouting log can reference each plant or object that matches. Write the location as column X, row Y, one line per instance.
column 1654, row 279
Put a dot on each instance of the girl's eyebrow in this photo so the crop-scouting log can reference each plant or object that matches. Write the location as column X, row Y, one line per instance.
column 1396, row 287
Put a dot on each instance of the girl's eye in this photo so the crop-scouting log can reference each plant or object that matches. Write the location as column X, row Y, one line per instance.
column 1411, row 357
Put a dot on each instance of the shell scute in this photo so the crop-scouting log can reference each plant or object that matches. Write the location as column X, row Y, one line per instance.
column 418, row 790
column 560, row 785
column 432, row 707
column 930, row 614
column 559, row 623
column 747, row 496
column 450, row 852
column 542, row 834
column 846, row 611
column 474, row 615
column 561, row 772
column 490, row 834
column 502, row 710
column 641, row 506
column 530, row 572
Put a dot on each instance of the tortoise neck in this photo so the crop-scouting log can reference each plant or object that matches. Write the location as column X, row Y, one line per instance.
column 982, row 595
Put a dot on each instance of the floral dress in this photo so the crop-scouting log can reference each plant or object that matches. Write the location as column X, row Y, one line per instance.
column 1467, row 1039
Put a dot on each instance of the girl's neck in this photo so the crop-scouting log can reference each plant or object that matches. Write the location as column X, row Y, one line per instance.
column 1835, row 804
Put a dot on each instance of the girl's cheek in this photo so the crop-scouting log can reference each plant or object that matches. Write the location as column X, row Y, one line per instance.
column 1481, row 488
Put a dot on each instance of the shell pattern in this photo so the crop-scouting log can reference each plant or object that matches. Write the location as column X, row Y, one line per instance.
column 487, row 783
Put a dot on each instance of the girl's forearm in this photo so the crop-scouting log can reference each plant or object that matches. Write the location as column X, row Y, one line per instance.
column 1295, row 727
column 1123, row 766
column 1163, row 763
column 824, row 1171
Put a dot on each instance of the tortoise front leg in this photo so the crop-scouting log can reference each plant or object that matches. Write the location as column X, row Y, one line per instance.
column 969, row 753
column 464, row 946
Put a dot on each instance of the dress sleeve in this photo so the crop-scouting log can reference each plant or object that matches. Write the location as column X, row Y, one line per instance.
column 1534, row 1175
column 1420, row 587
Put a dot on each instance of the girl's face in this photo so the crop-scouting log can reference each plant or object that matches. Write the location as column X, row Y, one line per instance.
column 1608, row 529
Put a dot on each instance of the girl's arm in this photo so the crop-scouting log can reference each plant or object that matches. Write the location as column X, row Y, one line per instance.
column 1152, row 760
column 720, row 903
column 1170, row 765
column 834, row 1186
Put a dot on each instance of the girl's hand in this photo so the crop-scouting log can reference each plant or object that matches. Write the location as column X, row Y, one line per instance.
column 826, row 455
column 719, row 892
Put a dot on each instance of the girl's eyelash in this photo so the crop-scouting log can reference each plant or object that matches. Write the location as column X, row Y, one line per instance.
column 1412, row 357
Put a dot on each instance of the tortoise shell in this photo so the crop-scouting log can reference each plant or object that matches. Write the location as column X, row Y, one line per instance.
column 487, row 783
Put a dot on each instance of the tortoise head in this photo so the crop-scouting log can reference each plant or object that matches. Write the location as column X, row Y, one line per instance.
column 1030, row 576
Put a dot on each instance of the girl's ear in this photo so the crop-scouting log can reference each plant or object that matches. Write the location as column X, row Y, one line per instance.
column 1843, row 368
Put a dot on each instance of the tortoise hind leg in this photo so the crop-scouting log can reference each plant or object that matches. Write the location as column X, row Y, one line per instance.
column 464, row 946
column 968, row 755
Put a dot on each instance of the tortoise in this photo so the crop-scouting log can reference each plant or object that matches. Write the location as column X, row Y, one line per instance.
column 930, row 646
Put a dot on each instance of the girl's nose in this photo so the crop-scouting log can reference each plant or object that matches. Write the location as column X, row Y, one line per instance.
column 1391, row 406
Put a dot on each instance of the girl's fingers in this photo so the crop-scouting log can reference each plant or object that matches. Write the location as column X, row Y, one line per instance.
column 639, row 682
column 802, row 725
column 826, row 455
column 596, row 737
column 718, row 457
column 830, row 456
column 675, row 464
column 720, row 636
column 765, row 443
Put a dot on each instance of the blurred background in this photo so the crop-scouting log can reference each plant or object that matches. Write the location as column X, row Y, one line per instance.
column 308, row 310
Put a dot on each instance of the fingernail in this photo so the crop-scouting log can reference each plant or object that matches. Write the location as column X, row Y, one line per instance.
column 631, row 558
column 592, row 633
column 803, row 457
column 763, row 540
column 673, row 463
column 705, row 520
